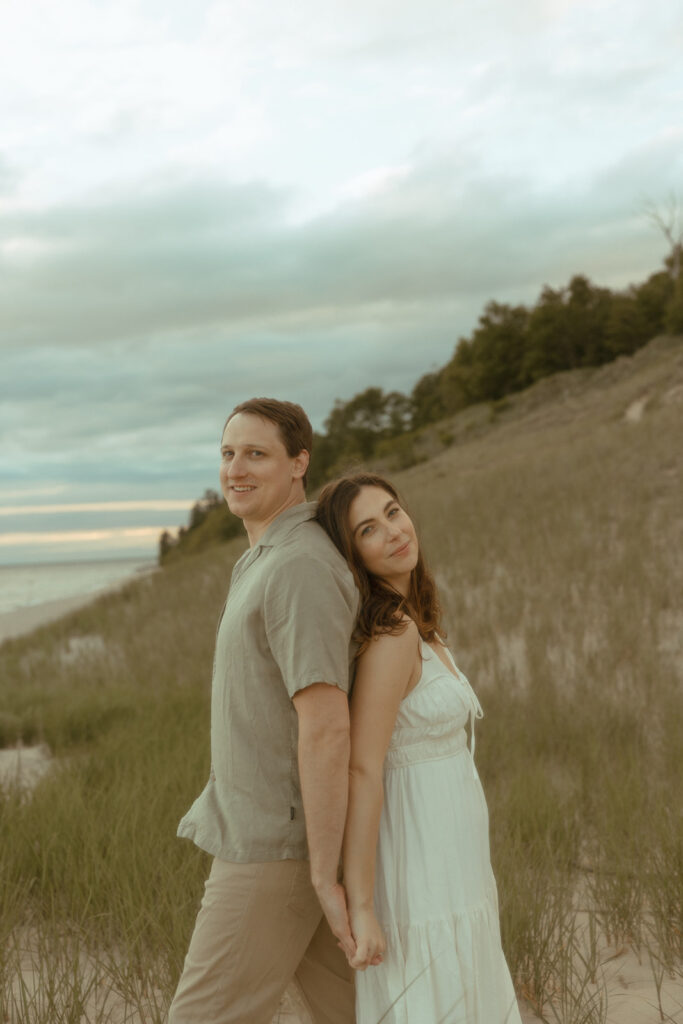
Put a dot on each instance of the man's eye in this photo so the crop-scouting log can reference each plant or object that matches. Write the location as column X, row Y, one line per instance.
column 255, row 451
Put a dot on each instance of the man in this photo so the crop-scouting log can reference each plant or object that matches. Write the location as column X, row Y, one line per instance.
column 272, row 813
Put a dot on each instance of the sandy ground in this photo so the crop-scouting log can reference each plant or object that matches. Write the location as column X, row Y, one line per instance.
column 23, row 767
column 631, row 997
column 627, row 984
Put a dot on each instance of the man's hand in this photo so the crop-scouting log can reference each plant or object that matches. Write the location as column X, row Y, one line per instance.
column 370, row 942
column 333, row 901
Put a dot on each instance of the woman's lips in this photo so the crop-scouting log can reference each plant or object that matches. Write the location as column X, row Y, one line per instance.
column 402, row 550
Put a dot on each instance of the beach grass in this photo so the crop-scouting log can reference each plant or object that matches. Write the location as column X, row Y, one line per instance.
column 557, row 543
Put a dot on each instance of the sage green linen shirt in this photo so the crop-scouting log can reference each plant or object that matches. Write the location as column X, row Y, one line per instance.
column 286, row 624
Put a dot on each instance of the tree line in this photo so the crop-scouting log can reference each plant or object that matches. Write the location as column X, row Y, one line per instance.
column 579, row 325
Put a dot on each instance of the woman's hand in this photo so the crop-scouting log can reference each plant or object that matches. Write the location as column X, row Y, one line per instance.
column 370, row 941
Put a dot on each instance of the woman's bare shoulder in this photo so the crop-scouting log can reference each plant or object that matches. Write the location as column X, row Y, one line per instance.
column 385, row 669
column 393, row 646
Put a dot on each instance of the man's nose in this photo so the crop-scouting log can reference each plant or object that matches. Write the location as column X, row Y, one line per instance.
column 238, row 466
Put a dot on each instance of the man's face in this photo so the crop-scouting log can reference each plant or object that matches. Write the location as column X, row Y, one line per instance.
column 258, row 478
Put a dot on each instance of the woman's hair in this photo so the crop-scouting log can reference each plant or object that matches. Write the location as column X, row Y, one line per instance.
column 382, row 608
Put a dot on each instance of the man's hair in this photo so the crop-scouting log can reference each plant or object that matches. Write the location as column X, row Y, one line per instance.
column 292, row 422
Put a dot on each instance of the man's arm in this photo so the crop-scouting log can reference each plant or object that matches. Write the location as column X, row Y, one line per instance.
column 323, row 714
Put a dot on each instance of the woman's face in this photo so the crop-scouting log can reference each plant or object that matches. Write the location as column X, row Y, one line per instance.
column 384, row 536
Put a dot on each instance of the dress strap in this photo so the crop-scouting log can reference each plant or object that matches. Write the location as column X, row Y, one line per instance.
column 475, row 708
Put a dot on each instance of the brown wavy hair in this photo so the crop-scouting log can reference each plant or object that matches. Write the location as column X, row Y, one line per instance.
column 382, row 608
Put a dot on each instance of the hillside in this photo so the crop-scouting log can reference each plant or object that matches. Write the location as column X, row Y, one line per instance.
column 630, row 386
column 627, row 387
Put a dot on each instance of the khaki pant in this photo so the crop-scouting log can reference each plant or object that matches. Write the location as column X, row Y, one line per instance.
column 259, row 927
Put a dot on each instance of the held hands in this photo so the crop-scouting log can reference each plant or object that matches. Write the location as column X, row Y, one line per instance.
column 359, row 936
column 333, row 901
column 370, row 942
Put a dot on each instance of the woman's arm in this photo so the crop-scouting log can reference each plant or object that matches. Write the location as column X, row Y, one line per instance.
column 384, row 674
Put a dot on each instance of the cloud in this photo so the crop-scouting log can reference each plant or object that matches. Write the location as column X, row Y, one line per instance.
column 18, row 548
column 138, row 321
column 206, row 258
column 9, row 177
column 96, row 506
column 115, row 537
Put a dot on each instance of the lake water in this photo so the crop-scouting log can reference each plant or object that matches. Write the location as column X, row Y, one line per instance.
column 22, row 586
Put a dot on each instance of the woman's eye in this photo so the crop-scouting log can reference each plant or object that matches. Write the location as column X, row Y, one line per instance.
column 255, row 451
column 365, row 531
column 392, row 511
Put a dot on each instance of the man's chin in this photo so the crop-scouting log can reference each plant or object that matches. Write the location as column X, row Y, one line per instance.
column 239, row 504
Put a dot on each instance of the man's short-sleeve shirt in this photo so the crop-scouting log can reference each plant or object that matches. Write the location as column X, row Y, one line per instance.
column 287, row 624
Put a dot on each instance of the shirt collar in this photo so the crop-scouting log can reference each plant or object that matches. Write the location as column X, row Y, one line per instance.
column 285, row 523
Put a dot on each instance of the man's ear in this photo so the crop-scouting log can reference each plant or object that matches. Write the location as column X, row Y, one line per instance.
column 300, row 464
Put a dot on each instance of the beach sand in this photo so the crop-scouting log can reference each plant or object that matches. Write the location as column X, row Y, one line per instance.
column 23, row 767
column 25, row 620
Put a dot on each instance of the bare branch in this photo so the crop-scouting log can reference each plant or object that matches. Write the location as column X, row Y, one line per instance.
column 668, row 218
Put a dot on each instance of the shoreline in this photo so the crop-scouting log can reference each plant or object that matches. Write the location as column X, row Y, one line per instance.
column 21, row 621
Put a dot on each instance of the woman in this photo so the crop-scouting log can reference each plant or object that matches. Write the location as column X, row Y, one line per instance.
column 417, row 870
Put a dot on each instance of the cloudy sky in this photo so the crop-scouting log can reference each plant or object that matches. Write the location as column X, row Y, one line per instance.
column 202, row 201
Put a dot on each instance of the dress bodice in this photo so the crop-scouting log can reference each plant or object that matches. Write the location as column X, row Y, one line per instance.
column 431, row 718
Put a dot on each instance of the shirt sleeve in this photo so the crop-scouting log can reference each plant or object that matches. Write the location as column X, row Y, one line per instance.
column 310, row 611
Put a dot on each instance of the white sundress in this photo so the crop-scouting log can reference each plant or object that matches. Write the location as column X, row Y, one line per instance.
column 435, row 894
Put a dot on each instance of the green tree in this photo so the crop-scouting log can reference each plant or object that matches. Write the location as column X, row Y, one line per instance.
column 201, row 509
column 587, row 314
column 496, row 353
column 567, row 329
column 398, row 412
column 627, row 325
column 653, row 298
column 458, row 377
column 355, row 427
column 674, row 312
column 166, row 543
column 548, row 349
column 427, row 400
column 325, row 454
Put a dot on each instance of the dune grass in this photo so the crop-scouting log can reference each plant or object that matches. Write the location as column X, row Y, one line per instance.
column 557, row 545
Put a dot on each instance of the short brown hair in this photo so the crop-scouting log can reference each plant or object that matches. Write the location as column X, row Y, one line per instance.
column 382, row 608
column 290, row 419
